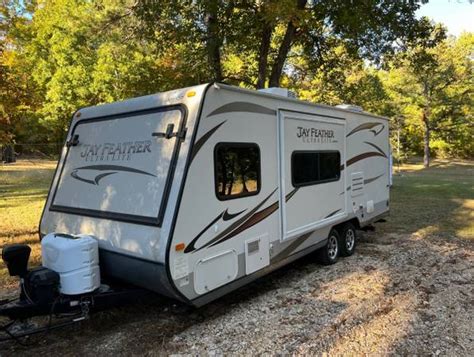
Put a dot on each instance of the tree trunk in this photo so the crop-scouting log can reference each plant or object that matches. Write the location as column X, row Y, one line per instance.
column 267, row 30
column 213, row 41
column 285, row 47
column 426, row 140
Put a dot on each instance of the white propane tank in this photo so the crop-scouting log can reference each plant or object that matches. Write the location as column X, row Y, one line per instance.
column 75, row 258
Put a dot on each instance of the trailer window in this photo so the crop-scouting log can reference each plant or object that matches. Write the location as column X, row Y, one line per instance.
column 237, row 170
column 314, row 167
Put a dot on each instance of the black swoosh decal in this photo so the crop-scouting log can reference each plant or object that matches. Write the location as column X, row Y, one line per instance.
column 227, row 216
column 332, row 213
column 114, row 168
column 237, row 223
column 372, row 179
column 202, row 140
column 242, row 107
column 77, row 177
column 257, row 217
column 190, row 246
column 363, row 156
column 367, row 126
column 101, row 176
column 376, row 147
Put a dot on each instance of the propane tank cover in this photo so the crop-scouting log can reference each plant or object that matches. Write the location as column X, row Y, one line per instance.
column 75, row 258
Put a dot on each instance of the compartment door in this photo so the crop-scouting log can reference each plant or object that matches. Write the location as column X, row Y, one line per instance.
column 312, row 180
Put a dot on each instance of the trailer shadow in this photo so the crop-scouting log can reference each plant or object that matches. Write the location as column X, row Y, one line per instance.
column 154, row 323
column 393, row 284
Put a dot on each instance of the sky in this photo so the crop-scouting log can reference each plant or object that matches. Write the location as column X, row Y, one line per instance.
column 456, row 15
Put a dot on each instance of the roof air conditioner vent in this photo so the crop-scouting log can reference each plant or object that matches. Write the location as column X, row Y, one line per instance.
column 284, row 92
column 352, row 108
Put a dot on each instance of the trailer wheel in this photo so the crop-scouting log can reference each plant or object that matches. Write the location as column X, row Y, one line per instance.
column 330, row 252
column 348, row 239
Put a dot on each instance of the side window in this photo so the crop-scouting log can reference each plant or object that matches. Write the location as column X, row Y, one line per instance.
column 236, row 170
column 313, row 167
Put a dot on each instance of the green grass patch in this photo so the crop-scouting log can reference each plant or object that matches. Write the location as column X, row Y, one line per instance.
column 23, row 190
column 438, row 200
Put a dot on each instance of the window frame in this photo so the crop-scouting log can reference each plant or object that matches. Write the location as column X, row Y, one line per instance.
column 312, row 183
column 259, row 169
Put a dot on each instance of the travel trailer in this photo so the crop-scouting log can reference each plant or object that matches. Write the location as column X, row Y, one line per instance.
column 195, row 192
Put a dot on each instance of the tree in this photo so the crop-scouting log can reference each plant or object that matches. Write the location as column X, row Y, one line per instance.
column 19, row 97
column 431, row 81
column 267, row 31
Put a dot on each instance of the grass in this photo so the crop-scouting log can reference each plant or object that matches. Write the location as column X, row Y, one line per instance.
column 435, row 201
column 23, row 190
column 438, row 201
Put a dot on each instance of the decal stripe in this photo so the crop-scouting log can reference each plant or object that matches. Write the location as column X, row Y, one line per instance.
column 202, row 140
column 372, row 179
column 228, row 216
column 242, row 107
column 332, row 213
column 237, row 223
column 96, row 180
column 367, row 126
column 113, row 167
column 362, row 157
column 376, row 147
column 257, row 217
column 290, row 248
column 190, row 246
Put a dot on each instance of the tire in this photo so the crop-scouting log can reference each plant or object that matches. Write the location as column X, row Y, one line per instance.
column 348, row 239
column 330, row 252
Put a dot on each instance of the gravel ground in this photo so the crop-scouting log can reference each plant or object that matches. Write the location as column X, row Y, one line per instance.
column 399, row 294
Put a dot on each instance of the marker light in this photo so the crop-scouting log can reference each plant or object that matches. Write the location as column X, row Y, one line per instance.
column 179, row 247
column 191, row 94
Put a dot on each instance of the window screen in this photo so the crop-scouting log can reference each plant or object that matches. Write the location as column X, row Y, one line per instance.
column 313, row 167
column 237, row 170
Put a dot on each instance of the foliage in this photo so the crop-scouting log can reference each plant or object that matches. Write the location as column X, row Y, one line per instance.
column 59, row 55
column 432, row 89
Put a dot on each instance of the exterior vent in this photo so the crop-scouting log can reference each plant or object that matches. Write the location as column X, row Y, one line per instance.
column 352, row 108
column 284, row 92
column 357, row 184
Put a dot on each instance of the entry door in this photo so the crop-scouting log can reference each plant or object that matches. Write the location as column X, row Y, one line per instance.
column 311, row 157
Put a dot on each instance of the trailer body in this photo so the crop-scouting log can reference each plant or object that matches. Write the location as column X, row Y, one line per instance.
column 195, row 192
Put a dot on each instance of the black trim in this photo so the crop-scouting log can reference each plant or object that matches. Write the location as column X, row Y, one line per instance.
column 54, row 176
column 178, row 293
column 317, row 182
column 259, row 173
column 123, row 217
column 203, row 139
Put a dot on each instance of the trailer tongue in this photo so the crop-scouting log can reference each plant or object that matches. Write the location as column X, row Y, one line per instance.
column 66, row 287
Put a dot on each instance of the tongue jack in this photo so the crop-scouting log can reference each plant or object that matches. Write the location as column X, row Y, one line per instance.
column 16, row 258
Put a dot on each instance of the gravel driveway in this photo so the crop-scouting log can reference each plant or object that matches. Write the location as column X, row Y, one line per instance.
column 401, row 294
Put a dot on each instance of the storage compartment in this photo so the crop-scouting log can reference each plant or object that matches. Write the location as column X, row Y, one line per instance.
column 212, row 272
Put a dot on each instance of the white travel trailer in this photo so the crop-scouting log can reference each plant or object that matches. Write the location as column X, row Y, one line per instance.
column 195, row 192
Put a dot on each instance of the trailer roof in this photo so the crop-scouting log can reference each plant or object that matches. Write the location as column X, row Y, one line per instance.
column 296, row 100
